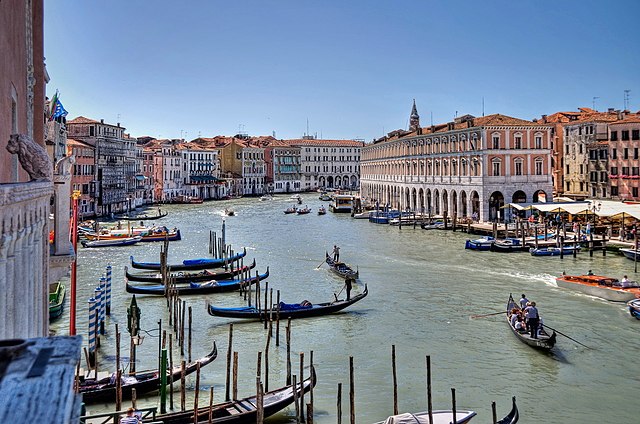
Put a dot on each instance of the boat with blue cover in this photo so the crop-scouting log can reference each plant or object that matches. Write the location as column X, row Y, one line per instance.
column 554, row 251
column 190, row 264
column 482, row 243
column 508, row 245
column 213, row 286
column 304, row 309
column 634, row 308
column 187, row 277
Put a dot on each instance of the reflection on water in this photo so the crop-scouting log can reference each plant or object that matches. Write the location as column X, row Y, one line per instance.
column 423, row 288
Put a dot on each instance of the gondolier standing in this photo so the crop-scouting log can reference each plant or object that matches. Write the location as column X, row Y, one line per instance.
column 348, row 283
column 336, row 253
column 531, row 313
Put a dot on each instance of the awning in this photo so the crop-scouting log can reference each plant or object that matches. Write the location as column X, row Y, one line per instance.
column 140, row 177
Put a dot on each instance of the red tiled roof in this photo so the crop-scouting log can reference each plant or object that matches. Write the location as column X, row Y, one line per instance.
column 317, row 142
column 73, row 142
column 82, row 120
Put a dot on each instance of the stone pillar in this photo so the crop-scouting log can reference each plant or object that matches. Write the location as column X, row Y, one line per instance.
column 24, row 255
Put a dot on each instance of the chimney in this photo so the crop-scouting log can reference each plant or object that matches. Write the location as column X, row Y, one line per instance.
column 620, row 115
column 102, row 121
column 610, row 110
column 544, row 118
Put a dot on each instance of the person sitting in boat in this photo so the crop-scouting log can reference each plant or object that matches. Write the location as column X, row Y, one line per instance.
column 624, row 281
column 590, row 272
column 515, row 314
column 306, row 304
column 520, row 325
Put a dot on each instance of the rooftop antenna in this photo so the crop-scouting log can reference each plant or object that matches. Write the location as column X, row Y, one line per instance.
column 626, row 99
column 482, row 105
column 307, row 133
column 431, row 118
column 594, row 102
column 456, row 114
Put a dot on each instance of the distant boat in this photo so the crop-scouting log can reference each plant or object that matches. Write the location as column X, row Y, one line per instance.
column 303, row 211
column 607, row 288
column 554, row 251
column 634, row 308
column 322, row 210
column 229, row 212
column 482, row 243
column 57, row 293
column 266, row 197
column 120, row 241
column 143, row 217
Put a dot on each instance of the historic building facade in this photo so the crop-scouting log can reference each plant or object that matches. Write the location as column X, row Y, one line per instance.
column 200, row 171
column 461, row 168
column 624, row 158
column 115, row 156
column 328, row 163
column 283, row 167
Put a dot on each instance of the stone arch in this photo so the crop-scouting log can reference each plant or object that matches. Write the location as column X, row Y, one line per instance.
column 519, row 197
column 496, row 202
column 463, row 204
column 475, row 204
column 436, row 201
column 540, row 196
column 454, row 203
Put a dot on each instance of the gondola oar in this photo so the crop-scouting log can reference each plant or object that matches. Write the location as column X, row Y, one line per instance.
column 321, row 264
column 488, row 315
column 570, row 338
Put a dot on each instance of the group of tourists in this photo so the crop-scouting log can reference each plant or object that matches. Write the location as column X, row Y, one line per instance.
column 526, row 319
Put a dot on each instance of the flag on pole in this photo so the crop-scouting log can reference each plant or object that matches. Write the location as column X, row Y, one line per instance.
column 59, row 111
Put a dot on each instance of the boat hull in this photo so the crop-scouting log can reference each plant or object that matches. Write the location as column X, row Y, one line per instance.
column 594, row 289
column 190, row 264
column 634, row 308
column 545, row 341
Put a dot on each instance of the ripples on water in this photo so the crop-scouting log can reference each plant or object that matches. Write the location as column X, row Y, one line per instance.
column 423, row 288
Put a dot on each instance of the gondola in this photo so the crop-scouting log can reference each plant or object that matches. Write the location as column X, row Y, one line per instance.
column 190, row 264
column 104, row 390
column 284, row 310
column 243, row 411
column 544, row 340
column 508, row 245
column 173, row 235
column 513, row 416
column 341, row 268
column 144, row 217
column 188, row 277
column 213, row 286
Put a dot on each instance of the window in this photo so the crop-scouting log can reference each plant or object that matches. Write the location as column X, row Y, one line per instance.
column 566, row 148
column 495, row 165
column 518, row 142
column 625, row 136
column 614, row 136
column 538, row 141
column 495, row 141
column 614, row 170
column 614, row 154
column 626, row 153
column 538, row 166
column 593, row 177
column 614, row 190
column 635, row 134
column 603, row 176
column 625, row 170
column 518, row 166
column 634, row 191
column 567, row 169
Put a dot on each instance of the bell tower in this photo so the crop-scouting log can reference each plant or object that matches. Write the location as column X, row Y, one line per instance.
column 414, row 120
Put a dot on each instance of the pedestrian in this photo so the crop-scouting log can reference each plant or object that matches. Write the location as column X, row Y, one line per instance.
column 523, row 301
column 532, row 319
column 348, row 283
column 131, row 417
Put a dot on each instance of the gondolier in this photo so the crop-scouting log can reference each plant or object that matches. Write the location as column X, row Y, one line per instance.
column 336, row 253
column 533, row 319
column 348, row 285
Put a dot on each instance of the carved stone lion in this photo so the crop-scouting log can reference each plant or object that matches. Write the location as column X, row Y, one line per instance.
column 32, row 156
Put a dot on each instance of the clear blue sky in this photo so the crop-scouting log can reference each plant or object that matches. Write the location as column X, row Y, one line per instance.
column 166, row 68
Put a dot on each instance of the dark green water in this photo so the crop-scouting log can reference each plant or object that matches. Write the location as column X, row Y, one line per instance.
column 423, row 288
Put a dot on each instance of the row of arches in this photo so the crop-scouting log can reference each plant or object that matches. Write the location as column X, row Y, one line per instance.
column 451, row 202
column 338, row 181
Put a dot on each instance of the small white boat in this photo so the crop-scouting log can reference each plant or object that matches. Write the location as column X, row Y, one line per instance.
column 295, row 196
column 362, row 215
column 266, row 197
column 439, row 417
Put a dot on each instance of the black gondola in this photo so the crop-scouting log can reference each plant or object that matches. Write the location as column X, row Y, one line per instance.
column 104, row 390
column 243, row 411
column 190, row 264
column 302, row 310
column 188, row 277
column 544, row 340
column 213, row 286
column 144, row 217
column 513, row 416
column 341, row 268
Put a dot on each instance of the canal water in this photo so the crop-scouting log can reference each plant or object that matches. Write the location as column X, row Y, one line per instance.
column 423, row 288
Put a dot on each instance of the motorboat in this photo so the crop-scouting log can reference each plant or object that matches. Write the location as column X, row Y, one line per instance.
column 607, row 288
column 482, row 243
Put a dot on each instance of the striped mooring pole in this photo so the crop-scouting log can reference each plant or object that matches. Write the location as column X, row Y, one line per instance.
column 93, row 305
column 97, row 295
column 103, row 303
column 108, row 290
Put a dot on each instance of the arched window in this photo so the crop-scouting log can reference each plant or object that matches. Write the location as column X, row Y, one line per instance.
column 495, row 167
column 495, row 140
column 518, row 168
column 538, row 166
